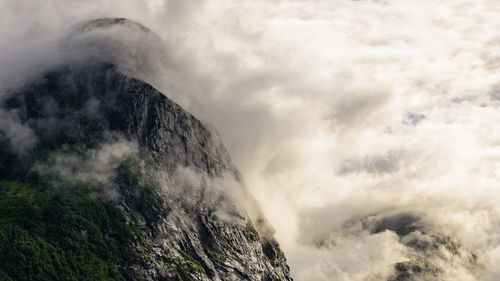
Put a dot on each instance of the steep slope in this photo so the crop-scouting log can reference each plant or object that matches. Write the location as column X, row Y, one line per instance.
column 176, row 207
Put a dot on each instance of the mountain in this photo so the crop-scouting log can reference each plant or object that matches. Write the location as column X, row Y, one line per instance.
column 431, row 254
column 105, row 178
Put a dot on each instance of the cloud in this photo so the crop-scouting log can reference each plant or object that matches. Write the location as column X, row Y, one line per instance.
column 20, row 137
column 332, row 110
column 97, row 166
column 378, row 164
column 380, row 252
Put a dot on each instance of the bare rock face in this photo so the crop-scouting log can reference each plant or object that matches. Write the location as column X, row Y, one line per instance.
column 178, row 186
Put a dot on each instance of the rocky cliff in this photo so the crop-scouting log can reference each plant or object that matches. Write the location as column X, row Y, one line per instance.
column 180, row 209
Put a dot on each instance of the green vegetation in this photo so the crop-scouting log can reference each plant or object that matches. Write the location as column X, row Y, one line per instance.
column 216, row 257
column 61, row 232
column 192, row 264
column 251, row 232
column 139, row 193
column 57, row 228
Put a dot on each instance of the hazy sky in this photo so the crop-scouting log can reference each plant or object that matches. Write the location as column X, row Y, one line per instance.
column 333, row 110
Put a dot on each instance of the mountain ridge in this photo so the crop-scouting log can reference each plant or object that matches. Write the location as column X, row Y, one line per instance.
column 130, row 146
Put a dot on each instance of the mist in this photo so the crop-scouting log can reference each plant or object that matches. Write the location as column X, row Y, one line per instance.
column 340, row 115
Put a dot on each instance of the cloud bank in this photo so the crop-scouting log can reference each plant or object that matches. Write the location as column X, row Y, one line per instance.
column 336, row 113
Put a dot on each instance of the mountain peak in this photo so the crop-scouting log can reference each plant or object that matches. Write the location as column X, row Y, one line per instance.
column 110, row 22
column 135, row 49
column 99, row 128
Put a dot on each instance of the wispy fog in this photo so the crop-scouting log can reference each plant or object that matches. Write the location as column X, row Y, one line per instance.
column 347, row 119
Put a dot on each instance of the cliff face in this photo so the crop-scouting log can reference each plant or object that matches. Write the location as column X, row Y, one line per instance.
column 171, row 178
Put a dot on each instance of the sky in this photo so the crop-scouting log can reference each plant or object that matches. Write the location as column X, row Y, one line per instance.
column 340, row 115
